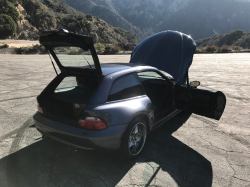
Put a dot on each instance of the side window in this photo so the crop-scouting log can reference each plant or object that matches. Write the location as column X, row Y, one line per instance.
column 126, row 87
column 68, row 83
column 149, row 75
column 157, row 88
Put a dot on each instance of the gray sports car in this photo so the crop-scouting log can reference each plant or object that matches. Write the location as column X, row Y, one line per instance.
column 89, row 105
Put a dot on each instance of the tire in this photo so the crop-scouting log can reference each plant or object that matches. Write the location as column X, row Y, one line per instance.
column 134, row 139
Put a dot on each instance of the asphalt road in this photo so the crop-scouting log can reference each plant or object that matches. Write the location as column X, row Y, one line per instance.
column 186, row 151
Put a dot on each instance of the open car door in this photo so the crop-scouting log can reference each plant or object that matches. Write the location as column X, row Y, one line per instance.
column 206, row 103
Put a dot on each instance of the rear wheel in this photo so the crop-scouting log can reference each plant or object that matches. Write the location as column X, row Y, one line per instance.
column 134, row 139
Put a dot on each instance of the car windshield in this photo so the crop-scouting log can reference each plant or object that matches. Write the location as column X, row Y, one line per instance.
column 74, row 57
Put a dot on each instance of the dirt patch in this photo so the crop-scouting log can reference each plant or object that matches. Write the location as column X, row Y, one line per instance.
column 18, row 43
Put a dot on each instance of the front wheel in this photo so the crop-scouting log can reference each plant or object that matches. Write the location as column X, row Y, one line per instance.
column 134, row 139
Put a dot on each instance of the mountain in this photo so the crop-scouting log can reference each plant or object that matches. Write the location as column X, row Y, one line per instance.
column 202, row 18
column 103, row 9
column 33, row 16
column 138, row 16
column 147, row 14
column 199, row 18
column 233, row 38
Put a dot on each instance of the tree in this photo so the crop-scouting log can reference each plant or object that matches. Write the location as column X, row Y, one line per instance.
column 9, row 9
column 7, row 26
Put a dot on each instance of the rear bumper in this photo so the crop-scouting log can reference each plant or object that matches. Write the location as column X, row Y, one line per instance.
column 109, row 138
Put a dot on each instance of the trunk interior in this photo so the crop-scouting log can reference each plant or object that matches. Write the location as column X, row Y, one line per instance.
column 67, row 101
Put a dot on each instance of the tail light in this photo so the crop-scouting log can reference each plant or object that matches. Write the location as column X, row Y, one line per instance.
column 40, row 110
column 92, row 123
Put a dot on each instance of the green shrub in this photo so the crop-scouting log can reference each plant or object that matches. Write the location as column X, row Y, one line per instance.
column 200, row 50
column 211, row 48
column 236, row 48
column 128, row 47
column 108, row 49
column 7, row 26
column 30, row 50
column 38, row 48
column 73, row 51
column 22, row 50
column 225, row 48
column 14, row 1
column 115, row 49
column 4, row 46
column 41, row 17
column 112, row 50
column 99, row 47
column 10, row 10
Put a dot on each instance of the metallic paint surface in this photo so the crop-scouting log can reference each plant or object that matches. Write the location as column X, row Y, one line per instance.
column 111, row 68
column 123, row 111
column 116, row 114
column 109, row 138
column 102, row 92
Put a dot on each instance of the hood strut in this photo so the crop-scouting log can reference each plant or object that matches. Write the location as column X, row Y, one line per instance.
column 52, row 63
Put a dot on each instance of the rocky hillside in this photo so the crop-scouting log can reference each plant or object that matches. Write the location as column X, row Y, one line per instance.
column 234, row 38
column 147, row 14
column 33, row 16
column 199, row 18
column 140, row 16
column 103, row 9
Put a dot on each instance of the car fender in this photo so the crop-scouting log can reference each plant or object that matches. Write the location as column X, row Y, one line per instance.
column 123, row 111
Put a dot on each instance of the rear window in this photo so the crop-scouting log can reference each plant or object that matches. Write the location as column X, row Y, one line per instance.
column 125, row 87
column 74, row 57
column 75, row 89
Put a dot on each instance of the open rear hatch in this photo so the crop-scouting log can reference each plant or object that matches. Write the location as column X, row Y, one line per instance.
column 73, row 53
column 65, row 98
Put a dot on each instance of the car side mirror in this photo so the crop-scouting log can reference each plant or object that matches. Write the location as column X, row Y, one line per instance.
column 195, row 84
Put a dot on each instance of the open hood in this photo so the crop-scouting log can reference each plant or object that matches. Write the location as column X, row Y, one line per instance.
column 73, row 53
column 169, row 51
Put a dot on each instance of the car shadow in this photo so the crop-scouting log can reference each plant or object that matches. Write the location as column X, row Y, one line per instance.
column 186, row 166
column 49, row 163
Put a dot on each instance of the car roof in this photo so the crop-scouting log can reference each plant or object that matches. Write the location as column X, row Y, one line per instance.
column 109, row 68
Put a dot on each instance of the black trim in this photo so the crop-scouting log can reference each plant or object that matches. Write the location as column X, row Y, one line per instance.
column 96, row 60
column 163, row 120
column 64, row 142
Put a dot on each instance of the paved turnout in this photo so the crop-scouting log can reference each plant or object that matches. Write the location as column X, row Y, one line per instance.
column 186, row 151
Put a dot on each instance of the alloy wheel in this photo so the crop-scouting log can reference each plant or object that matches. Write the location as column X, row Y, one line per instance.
column 137, row 138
